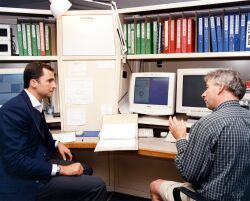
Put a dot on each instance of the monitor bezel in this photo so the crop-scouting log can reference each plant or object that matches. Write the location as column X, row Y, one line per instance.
column 149, row 109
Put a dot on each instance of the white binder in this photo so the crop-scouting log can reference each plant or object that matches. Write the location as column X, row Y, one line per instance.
column 119, row 132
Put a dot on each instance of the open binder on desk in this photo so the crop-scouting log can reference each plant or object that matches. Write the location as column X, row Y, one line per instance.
column 119, row 132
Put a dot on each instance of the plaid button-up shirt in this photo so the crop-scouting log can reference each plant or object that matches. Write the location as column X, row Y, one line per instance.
column 216, row 159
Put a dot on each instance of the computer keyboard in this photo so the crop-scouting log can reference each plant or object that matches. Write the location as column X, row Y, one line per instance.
column 145, row 132
column 192, row 121
column 170, row 137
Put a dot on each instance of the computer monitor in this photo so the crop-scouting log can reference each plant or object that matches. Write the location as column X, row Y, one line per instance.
column 190, row 86
column 11, row 83
column 152, row 93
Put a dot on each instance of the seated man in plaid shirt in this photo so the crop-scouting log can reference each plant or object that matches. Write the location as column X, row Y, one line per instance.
column 215, row 161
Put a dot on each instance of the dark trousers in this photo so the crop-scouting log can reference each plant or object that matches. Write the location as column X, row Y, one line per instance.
column 73, row 188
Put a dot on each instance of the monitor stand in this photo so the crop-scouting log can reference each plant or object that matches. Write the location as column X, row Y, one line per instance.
column 153, row 120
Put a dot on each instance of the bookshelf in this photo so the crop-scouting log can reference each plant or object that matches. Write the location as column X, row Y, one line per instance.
column 10, row 16
column 172, row 61
column 174, row 11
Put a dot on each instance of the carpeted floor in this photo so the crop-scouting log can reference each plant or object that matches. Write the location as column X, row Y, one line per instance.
column 124, row 197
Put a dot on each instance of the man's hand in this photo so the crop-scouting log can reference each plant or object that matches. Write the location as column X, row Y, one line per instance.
column 64, row 151
column 177, row 128
column 71, row 170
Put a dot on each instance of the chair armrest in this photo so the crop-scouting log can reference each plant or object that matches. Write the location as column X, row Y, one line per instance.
column 189, row 193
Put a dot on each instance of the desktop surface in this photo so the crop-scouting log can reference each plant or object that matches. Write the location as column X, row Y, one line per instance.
column 155, row 147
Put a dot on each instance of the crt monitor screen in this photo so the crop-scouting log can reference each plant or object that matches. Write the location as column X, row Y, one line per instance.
column 151, row 90
column 10, row 86
column 193, row 87
column 190, row 87
column 152, row 93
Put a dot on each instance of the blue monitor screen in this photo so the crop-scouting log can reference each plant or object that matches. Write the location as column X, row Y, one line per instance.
column 193, row 87
column 151, row 90
column 10, row 86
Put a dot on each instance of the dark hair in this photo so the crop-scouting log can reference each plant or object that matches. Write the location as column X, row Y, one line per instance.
column 231, row 79
column 34, row 70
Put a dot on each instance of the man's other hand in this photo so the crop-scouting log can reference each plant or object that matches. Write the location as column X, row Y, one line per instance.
column 64, row 151
column 71, row 170
column 177, row 128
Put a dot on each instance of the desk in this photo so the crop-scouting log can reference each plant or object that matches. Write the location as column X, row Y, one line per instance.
column 130, row 172
column 155, row 147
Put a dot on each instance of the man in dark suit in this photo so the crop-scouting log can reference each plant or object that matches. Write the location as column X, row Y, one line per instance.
column 26, row 144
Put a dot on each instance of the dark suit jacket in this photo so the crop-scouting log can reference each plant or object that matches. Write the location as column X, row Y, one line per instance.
column 25, row 150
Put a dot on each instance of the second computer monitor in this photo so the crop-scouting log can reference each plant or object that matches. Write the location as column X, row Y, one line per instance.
column 152, row 93
column 190, row 86
column 11, row 83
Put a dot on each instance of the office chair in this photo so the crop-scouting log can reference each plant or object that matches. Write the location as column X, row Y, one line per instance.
column 197, row 197
column 189, row 193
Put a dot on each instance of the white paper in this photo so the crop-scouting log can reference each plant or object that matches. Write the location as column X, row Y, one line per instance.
column 79, row 90
column 65, row 137
column 77, row 69
column 108, row 145
column 118, row 131
column 76, row 117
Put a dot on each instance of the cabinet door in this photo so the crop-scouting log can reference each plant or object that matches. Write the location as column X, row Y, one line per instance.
column 88, row 35
column 90, row 91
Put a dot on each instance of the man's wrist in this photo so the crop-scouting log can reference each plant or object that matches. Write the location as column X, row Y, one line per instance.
column 57, row 143
column 58, row 170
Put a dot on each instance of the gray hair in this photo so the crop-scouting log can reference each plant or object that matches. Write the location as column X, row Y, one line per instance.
column 230, row 78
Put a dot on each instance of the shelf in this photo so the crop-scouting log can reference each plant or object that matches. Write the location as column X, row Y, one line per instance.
column 51, row 119
column 28, row 58
column 178, row 6
column 25, row 11
column 179, row 56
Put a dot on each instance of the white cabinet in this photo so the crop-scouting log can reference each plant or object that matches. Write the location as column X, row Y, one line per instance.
column 90, row 69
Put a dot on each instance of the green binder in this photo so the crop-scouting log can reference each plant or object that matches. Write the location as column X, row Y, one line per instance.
column 129, row 38
column 148, row 45
column 20, row 39
column 24, row 36
column 38, row 40
column 132, row 36
column 155, row 37
column 138, row 39
column 47, row 40
column 33, row 39
column 143, row 37
column 28, row 35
